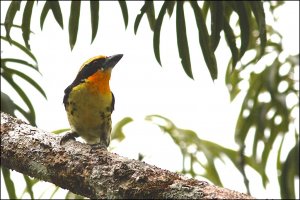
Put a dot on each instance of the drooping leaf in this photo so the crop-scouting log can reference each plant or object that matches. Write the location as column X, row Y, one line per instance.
column 230, row 39
column 19, row 61
column 94, row 6
column 244, row 18
column 208, row 54
column 205, row 8
column 10, row 16
column 216, row 8
column 10, row 186
column 124, row 10
column 74, row 22
column 21, row 47
column 28, row 79
column 31, row 114
column 150, row 14
column 139, row 16
column 157, row 28
column 29, row 185
column 170, row 7
column 44, row 14
column 60, row 130
column 258, row 11
column 117, row 132
column 183, row 47
column 26, row 19
column 55, row 7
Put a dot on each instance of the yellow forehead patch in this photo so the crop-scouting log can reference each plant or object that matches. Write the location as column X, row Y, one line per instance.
column 91, row 60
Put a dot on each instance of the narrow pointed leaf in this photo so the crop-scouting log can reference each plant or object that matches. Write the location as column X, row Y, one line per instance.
column 44, row 14
column 10, row 186
column 28, row 79
column 157, row 28
column 26, row 19
column 20, row 46
column 29, row 185
column 22, row 62
column 139, row 17
column 150, row 14
column 10, row 16
column 208, row 54
column 170, row 8
column 74, row 22
column 244, row 23
column 216, row 8
column 94, row 6
column 230, row 39
column 258, row 10
column 205, row 8
column 124, row 9
column 54, row 6
column 183, row 47
column 31, row 115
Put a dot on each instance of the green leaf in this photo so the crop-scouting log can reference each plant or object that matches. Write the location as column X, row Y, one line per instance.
column 20, row 46
column 216, row 8
column 10, row 16
column 22, row 62
column 117, row 132
column 289, row 170
column 28, row 79
column 54, row 6
column 94, row 6
column 208, row 54
column 139, row 17
column 244, row 23
column 205, row 8
column 183, row 47
column 31, row 115
column 7, row 104
column 230, row 39
column 258, row 11
column 74, row 22
column 157, row 28
column 10, row 186
column 26, row 19
column 44, row 14
column 150, row 14
column 170, row 7
column 29, row 185
column 60, row 130
column 124, row 10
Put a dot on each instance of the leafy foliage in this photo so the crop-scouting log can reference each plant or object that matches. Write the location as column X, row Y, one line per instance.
column 269, row 120
column 221, row 13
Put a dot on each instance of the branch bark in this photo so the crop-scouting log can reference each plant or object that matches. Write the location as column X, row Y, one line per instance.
column 94, row 174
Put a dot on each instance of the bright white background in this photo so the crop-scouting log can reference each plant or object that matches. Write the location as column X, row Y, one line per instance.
column 141, row 87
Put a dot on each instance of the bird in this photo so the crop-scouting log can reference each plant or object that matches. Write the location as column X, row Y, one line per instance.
column 89, row 102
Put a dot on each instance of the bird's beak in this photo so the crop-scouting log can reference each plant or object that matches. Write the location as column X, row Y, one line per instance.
column 111, row 61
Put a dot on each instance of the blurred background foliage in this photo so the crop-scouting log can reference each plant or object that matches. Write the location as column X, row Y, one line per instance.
column 265, row 115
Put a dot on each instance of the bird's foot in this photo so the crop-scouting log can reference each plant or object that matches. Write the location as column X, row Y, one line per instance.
column 68, row 136
column 98, row 146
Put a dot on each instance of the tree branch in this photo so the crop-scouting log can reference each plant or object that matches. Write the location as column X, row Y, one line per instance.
column 94, row 174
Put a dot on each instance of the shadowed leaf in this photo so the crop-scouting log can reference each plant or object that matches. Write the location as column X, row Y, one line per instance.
column 10, row 16
column 94, row 6
column 74, row 22
column 183, row 47
column 208, row 54
column 26, row 21
column 124, row 10
column 157, row 28
column 217, row 17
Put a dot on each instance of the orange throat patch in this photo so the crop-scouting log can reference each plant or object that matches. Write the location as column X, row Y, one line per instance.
column 100, row 81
